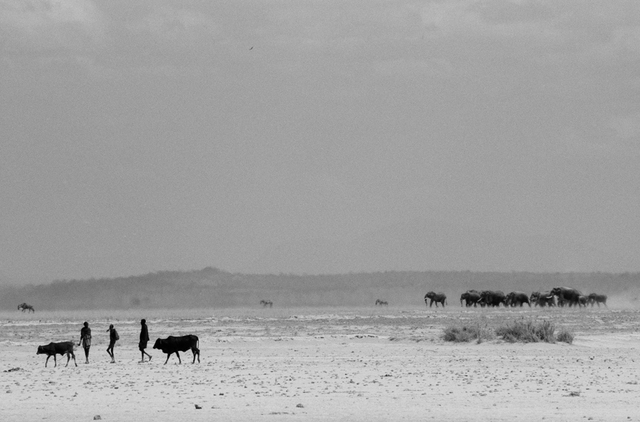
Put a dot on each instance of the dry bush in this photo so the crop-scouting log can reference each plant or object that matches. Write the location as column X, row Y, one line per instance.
column 565, row 336
column 527, row 331
column 466, row 334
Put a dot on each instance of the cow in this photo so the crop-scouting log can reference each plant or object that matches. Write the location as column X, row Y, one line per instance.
column 53, row 349
column 172, row 344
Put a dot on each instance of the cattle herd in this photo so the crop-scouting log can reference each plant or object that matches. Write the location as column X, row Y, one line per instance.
column 168, row 345
column 558, row 296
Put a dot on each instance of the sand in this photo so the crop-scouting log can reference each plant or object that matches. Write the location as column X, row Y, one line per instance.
column 363, row 364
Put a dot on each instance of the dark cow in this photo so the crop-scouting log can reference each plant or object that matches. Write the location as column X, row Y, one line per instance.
column 53, row 349
column 172, row 344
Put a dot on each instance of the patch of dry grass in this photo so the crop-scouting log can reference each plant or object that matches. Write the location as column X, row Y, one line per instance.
column 521, row 330
column 565, row 336
column 527, row 331
column 467, row 333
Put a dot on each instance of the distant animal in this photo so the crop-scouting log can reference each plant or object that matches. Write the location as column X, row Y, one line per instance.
column 567, row 296
column 381, row 302
column 53, row 349
column 471, row 297
column 432, row 297
column 543, row 299
column 517, row 299
column 534, row 297
column 596, row 298
column 583, row 300
column 175, row 345
column 266, row 303
column 492, row 298
column 26, row 307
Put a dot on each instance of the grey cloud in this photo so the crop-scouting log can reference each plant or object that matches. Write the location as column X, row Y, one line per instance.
column 163, row 140
column 65, row 25
column 509, row 12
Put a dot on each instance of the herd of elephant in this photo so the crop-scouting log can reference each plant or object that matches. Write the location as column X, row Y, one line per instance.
column 558, row 296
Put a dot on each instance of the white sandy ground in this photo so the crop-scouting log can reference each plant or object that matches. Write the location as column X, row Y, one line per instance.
column 318, row 365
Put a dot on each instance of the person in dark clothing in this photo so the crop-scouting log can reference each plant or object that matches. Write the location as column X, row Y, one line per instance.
column 85, row 340
column 144, row 338
column 113, row 337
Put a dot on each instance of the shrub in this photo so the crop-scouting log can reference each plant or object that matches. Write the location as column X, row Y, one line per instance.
column 565, row 336
column 527, row 331
column 524, row 331
column 466, row 334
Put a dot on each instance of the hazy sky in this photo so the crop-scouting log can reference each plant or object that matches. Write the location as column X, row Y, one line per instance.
column 140, row 135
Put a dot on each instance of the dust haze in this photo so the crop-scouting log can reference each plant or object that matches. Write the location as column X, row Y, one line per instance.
column 216, row 288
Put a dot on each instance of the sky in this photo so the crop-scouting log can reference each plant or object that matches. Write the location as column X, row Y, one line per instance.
column 151, row 135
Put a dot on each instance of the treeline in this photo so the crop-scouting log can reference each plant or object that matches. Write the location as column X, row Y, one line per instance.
column 212, row 287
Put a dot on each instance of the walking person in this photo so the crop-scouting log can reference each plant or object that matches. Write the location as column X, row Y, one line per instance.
column 113, row 337
column 144, row 338
column 85, row 340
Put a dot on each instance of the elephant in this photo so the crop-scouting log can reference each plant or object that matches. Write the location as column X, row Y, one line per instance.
column 596, row 298
column 534, row 297
column 435, row 297
column 492, row 298
column 543, row 299
column 381, row 302
column 517, row 298
column 567, row 296
column 471, row 297
column 583, row 300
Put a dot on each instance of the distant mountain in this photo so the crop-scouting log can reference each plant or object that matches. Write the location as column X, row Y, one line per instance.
column 425, row 246
column 214, row 288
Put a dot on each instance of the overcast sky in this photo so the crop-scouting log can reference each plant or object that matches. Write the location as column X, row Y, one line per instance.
column 140, row 135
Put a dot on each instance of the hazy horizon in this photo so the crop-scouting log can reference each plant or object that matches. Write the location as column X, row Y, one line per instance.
column 318, row 137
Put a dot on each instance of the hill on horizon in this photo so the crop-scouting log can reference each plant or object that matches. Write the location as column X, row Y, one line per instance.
column 212, row 287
